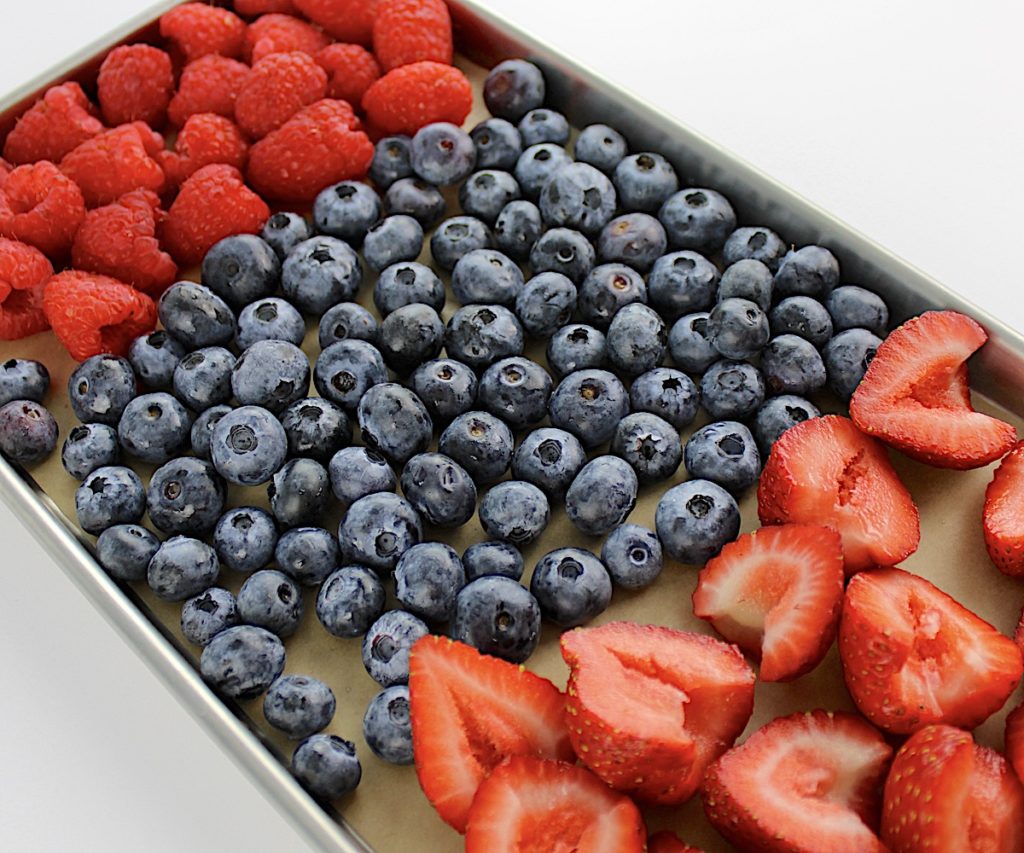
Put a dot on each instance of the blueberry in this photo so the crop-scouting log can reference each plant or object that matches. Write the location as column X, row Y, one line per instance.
column 644, row 181
column 270, row 319
column 698, row 219
column 695, row 519
column 756, row 242
column 578, row 196
column 440, row 489
column 457, row 236
column 536, row 165
column 731, row 390
column 486, row 193
column 545, row 304
column 202, row 378
column 479, row 335
column 601, row 146
column 393, row 240
column 447, row 388
column 486, row 276
column 420, row 200
column 245, row 538
column 513, row 88
column 492, row 558
column 667, row 393
column 108, row 496
column 637, row 339
column 357, row 472
column 193, row 313
column 248, row 446
column 272, row 600
column 88, row 447
column 392, row 161
column 480, row 443
column 601, row 495
column 650, row 444
column 125, row 550
column 606, row 289
column 327, row 766
column 386, row 646
column 688, row 342
column 791, row 365
column 316, row 428
column 409, row 336
column 516, row 390
column 387, row 726
column 636, row 239
column 346, row 210
column 499, row 617
column 346, row 369
column 725, row 453
column 571, row 586
column 682, row 283
column 563, row 250
column 498, row 144
column 589, row 404
column 776, row 415
column 299, row 705
column 23, row 379
column 810, row 271
column 205, row 615
column 442, row 153
column 803, row 316
column 347, row 321
column 378, row 529
column 550, row 459
column 185, row 496
column 853, row 307
column 241, row 269
column 299, row 492
column 284, row 231
column 738, row 328
column 308, row 554
column 182, row 567
column 243, row 661
column 632, row 556
column 271, row 374
column 202, row 429
column 153, row 357
column 514, row 511
column 846, row 358
column 394, row 422
column 408, row 284
column 350, row 600
column 517, row 227
column 544, row 125
column 100, row 388
column 428, row 576
column 321, row 272
column 747, row 279
column 576, row 347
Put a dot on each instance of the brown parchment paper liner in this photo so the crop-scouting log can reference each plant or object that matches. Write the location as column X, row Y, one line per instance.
column 388, row 809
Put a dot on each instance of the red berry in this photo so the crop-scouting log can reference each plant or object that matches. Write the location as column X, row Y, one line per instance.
column 319, row 146
column 117, row 162
column 135, row 84
column 208, row 85
column 120, row 241
column 277, row 88
column 24, row 271
column 60, row 121
column 211, row 205
column 407, row 31
column 405, row 99
column 206, row 138
column 42, row 207
column 277, row 33
column 197, row 29
column 5, row 170
column 351, row 70
column 346, row 20
column 91, row 314
column 264, row 7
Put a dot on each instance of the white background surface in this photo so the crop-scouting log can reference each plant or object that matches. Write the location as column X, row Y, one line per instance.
column 904, row 119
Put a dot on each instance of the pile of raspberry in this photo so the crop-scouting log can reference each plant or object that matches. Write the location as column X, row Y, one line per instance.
column 192, row 139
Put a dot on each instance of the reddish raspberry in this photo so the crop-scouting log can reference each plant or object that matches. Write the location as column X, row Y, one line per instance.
column 346, row 20
column 206, row 138
column 92, row 313
column 120, row 241
column 197, row 29
column 59, row 122
column 5, row 170
column 320, row 146
column 251, row 8
column 135, row 84
column 117, row 162
column 280, row 34
column 24, row 270
column 41, row 207
column 351, row 70
column 407, row 31
column 208, row 85
column 277, row 88
column 405, row 99
column 214, row 203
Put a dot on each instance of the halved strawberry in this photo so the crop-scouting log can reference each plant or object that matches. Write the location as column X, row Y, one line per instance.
column 1014, row 740
column 648, row 708
column 826, row 471
column 944, row 792
column 915, row 395
column 529, row 805
column 913, row 656
column 668, row 842
column 776, row 593
column 469, row 711
column 1003, row 515
column 804, row 782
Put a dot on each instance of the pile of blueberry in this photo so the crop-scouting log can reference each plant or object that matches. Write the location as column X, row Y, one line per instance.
column 603, row 256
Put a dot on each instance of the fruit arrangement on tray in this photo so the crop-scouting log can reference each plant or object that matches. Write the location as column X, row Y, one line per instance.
column 291, row 147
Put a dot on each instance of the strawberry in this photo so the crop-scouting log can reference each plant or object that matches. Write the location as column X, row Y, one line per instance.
column 1003, row 515
column 1014, row 740
column 776, row 593
column 825, row 471
column 668, row 842
column 529, row 805
column 913, row 656
column 1018, row 633
column 804, row 782
column 916, row 397
column 469, row 711
column 944, row 792
column 648, row 708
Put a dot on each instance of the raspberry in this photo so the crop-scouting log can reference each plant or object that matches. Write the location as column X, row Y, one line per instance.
column 24, row 270
column 277, row 88
column 264, row 7
column 214, row 203
column 60, row 121
column 5, row 170
column 135, row 83
column 280, row 34
column 92, row 314
column 206, row 138
column 208, row 85
column 319, row 146
column 116, row 162
column 196, row 30
column 351, row 70
column 41, row 207
column 406, row 99
column 120, row 241
column 407, row 31
column 346, row 20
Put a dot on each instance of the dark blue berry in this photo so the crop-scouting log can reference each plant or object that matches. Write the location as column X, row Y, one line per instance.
column 545, row 304
column 756, row 242
column 601, row 146
column 308, row 554
column 299, row 706
column 498, row 144
column 602, row 495
column 153, row 357
column 514, row 511
column 689, row 345
column 517, row 228
column 516, row 390
column 284, row 231
column 205, row 615
column 492, row 558
column 457, row 236
column 440, row 489
column 409, row 336
column 108, row 496
column 243, row 661
column 88, row 447
column 667, row 393
column 394, row 422
column 428, row 576
column 202, row 378
column 100, row 388
column 202, row 429
column 327, row 766
column 272, row 600
column 747, row 279
column 245, row 538
column 442, row 153
column 125, row 550
column 578, row 196
column 499, row 617
column 695, row 519
column 637, row 339
column 193, row 313
column 682, row 283
column 791, row 365
column 810, row 271
column 378, row 529
column 447, row 388
column 563, row 250
column 350, row 600
column 853, row 307
column 393, row 240
column 606, row 289
column 803, row 316
column 271, row 374
column 356, row 472
column 576, row 347
column 571, row 586
column 316, row 428
column 346, row 369
column 479, row 335
column 635, row 239
column 486, row 276
column 386, row 646
column 543, row 125
column 248, row 445
column 846, row 358
column 299, row 492
column 644, row 181
column 186, row 496
column 408, row 284
column 241, row 269
column 387, row 726
column 181, row 568
column 270, row 319
column 697, row 219
column 513, row 88
column 632, row 556
column 23, row 379
column 738, row 328
column 731, row 390
column 347, row 321
column 486, row 193
column 319, row 273
column 589, row 404
column 480, row 443
column 650, row 444
column 346, row 210
column 776, row 415
column 725, row 453
column 416, row 198
column 536, row 165
column 392, row 161
column 550, row 459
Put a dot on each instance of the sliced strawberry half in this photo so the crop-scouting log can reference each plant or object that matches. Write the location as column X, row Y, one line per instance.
column 1014, row 740
column 913, row 656
column 648, row 708
column 469, row 712
column 776, row 593
column 826, row 471
column 529, row 805
column 944, row 792
column 916, row 396
column 668, row 842
column 809, row 781
column 1003, row 515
